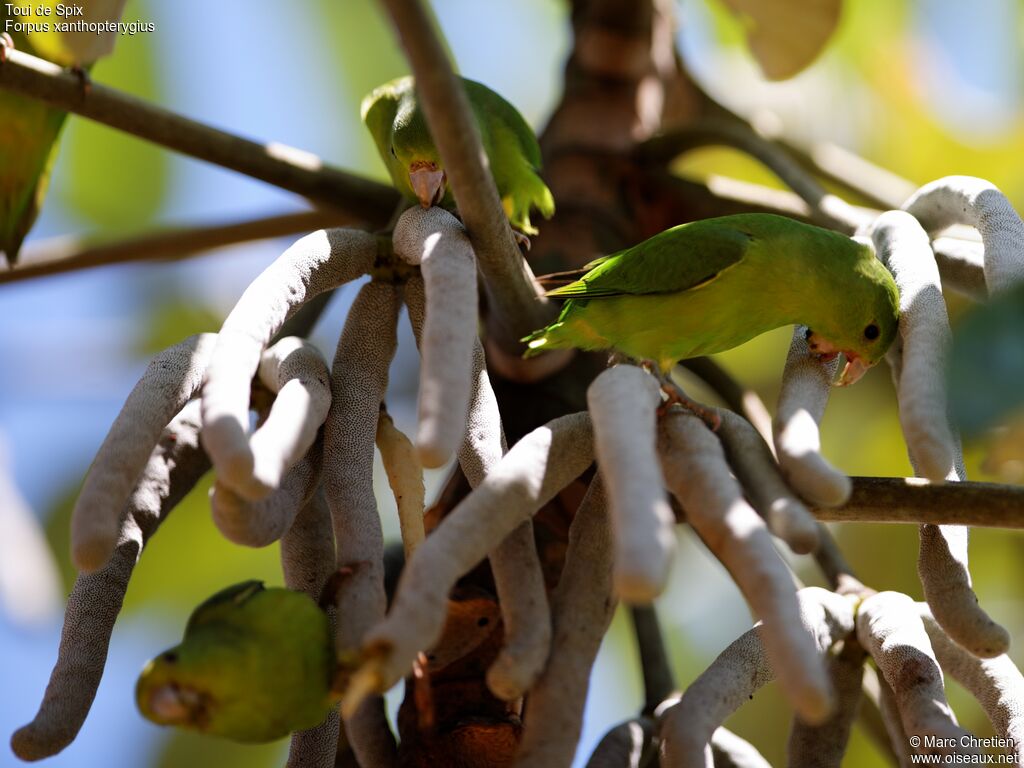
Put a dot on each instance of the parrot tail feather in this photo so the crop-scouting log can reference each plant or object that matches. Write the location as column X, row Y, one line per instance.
column 540, row 341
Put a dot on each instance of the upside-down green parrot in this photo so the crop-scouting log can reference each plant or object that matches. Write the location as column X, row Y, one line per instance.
column 710, row 285
column 255, row 664
column 394, row 118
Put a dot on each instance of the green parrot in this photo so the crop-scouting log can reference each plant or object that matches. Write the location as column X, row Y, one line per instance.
column 710, row 285
column 255, row 664
column 28, row 146
column 394, row 118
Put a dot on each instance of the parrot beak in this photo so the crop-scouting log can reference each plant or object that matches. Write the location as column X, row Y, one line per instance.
column 168, row 704
column 824, row 349
column 428, row 182
column 855, row 368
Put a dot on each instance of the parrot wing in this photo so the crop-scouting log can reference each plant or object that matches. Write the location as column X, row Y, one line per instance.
column 222, row 603
column 676, row 260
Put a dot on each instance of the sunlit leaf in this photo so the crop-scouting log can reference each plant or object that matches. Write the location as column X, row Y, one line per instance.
column 785, row 36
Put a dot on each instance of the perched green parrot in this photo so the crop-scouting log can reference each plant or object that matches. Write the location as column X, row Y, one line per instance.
column 710, row 285
column 28, row 146
column 394, row 118
column 255, row 664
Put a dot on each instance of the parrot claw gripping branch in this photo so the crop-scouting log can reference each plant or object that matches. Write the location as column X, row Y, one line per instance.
column 304, row 477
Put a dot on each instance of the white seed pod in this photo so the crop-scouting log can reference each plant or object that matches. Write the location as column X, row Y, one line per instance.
column 698, row 475
column 961, row 266
column 752, row 462
column 260, row 523
column 437, row 241
column 359, row 378
column 903, row 247
column 295, row 370
column 307, row 559
column 174, row 467
column 531, row 473
column 405, row 476
column 806, row 384
column 622, row 402
column 316, row 263
column 518, row 578
column 629, row 744
column 170, row 380
column 582, row 607
column 823, row 746
column 996, row 683
column 980, row 204
column 738, row 672
column 730, row 751
column 890, row 629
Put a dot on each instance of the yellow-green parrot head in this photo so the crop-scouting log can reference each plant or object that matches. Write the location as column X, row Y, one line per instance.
column 864, row 326
column 416, row 155
column 255, row 664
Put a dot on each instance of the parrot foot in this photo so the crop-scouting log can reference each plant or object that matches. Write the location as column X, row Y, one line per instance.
column 674, row 396
column 521, row 240
column 6, row 44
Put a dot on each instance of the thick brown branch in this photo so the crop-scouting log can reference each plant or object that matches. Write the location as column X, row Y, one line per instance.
column 910, row 500
column 284, row 167
column 514, row 299
column 67, row 254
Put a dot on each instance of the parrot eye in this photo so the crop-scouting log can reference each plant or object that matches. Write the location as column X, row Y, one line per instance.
column 170, row 657
column 871, row 332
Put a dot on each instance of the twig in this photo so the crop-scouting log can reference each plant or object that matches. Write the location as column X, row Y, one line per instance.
column 513, row 295
column 911, row 500
column 659, row 682
column 826, row 209
column 731, row 751
column 66, row 254
column 285, row 167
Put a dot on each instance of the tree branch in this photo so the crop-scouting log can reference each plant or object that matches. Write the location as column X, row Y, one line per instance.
column 67, row 254
column 826, row 209
column 285, row 167
column 912, row 500
column 516, row 304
